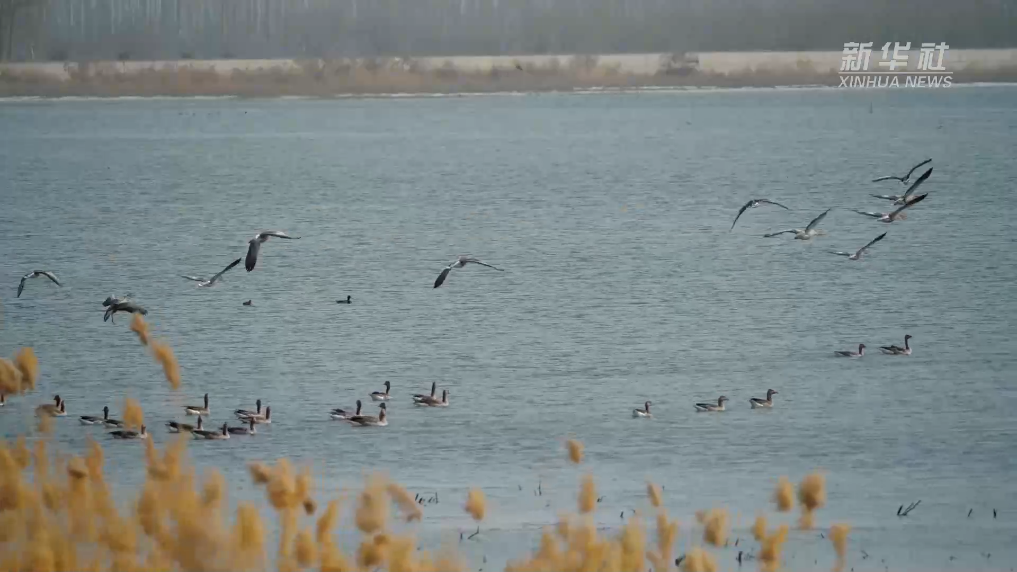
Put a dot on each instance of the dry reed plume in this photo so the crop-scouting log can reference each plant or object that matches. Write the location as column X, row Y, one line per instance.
column 160, row 351
column 134, row 418
column 18, row 376
column 575, row 451
column 838, row 536
column 476, row 505
column 812, row 496
column 784, row 496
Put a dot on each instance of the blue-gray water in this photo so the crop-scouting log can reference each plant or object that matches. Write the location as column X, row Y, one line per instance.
column 610, row 215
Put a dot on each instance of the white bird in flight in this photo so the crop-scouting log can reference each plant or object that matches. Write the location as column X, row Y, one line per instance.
column 202, row 282
column 36, row 274
column 753, row 204
column 800, row 234
column 463, row 260
column 895, row 215
column 861, row 250
column 904, row 180
column 254, row 245
column 906, row 197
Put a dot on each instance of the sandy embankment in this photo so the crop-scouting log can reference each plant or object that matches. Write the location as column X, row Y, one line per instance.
column 463, row 74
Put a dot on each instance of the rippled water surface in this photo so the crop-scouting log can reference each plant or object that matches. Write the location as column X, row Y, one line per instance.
column 610, row 215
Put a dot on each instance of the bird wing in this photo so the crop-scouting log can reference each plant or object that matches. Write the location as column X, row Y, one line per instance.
column 839, row 253
column 252, row 254
column 887, row 179
column 871, row 242
column 816, row 220
column 276, row 233
column 774, row 203
column 873, row 215
column 790, row 230
column 886, row 197
column 109, row 312
column 740, row 211
column 917, row 182
column 475, row 261
column 195, row 278
column 223, row 271
column 443, row 275
column 912, row 202
column 49, row 275
column 21, row 285
column 929, row 160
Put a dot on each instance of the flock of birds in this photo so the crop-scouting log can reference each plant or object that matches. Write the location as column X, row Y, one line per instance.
column 250, row 419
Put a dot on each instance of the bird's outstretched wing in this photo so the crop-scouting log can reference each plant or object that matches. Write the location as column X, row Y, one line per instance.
column 475, row 261
column 195, row 278
column 929, row 160
column 901, row 179
column 223, row 271
column 252, row 254
column 21, row 285
column 277, row 234
column 740, row 211
column 772, row 234
column 917, row 183
column 49, row 275
column 910, row 203
column 871, row 242
column 873, row 215
column 443, row 275
column 774, row 203
column 839, row 253
column 887, row 197
column 816, row 220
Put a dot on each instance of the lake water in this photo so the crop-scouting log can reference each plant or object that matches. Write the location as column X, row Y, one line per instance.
column 610, row 215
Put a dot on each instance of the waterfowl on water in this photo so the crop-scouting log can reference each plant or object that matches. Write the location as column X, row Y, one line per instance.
column 753, row 204
column 848, row 353
column 382, row 395
column 36, row 274
column 259, row 418
column 766, row 403
column 248, row 303
column 56, row 409
column 249, row 430
column 220, row 434
column 348, row 300
column 371, row 421
column 719, row 406
column 430, row 401
column 903, row 180
column 343, row 414
column 460, row 262
column 197, row 409
column 247, row 412
column 254, row 246
column 897, row 350
column 175, row 427
column 91, row 420
column 645, row 411
column 205, row 283
column 434, row 387
column 127, row 434
column 803, row 234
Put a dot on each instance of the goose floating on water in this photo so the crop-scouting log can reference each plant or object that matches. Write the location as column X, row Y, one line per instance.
column 898, row 214
column 904, row 180
column 247, row 412
column 175, row 427
column 91, row 420
column 460, row 262
column 434, row 387
column 57, row 409
column 857, row 255
column 753, row 204
column 719, row 406
column 342, row 414
column 431, row 401
column 371, row 421
column 897, row 350
column 259, row 418
column 348, row 300
column 254, row 246
column 645, row 411
column 197, row 409
column 848, row 353
column 222, row 433
column 803, row 234
column 205, row 283
column 764, row 403
column 382, row 395
column 36, row 274
column 127, row 434
column 249, row 430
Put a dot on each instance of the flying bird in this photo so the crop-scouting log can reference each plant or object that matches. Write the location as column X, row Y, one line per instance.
column 36, row 274
column 202, row 282
column 906, row 197
column 895, row 215
column 113, row 299
column 904, row 180
column 806, row 234
column 463, row 260
column 254, row 245
column 861, row 250
column 753, row 204
column 123, row 306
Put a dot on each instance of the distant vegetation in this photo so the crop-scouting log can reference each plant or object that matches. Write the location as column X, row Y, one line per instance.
column 34, row 30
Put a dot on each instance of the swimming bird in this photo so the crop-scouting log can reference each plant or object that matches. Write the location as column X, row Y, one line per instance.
column 348, row 300
column 904, row 180
column 56, row 409
column 91, row 420
column 248, row 303
column 644, row 412
column 895, row 215
column 343, row 414
column 382, row 395
column 36, row 274
column 204, row 434
column 460, row 262
column 768, row 402
column 897, row 350
column 197, row 409
column 247, row 412
column 175, row 427
column 123, row 306
column 127, row 434
column 434, row 387
column 753, row 204
column 371, row 421
column 431, row 401
column 806, row 234
column 848, row 353
column 259, row 418
column 906, row 197
column 861, row 250
column 254, row 245
column 700, row 407
column 204, row 283
column 249, row 430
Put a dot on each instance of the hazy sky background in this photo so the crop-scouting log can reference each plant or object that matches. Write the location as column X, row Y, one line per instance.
column 170, row 29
